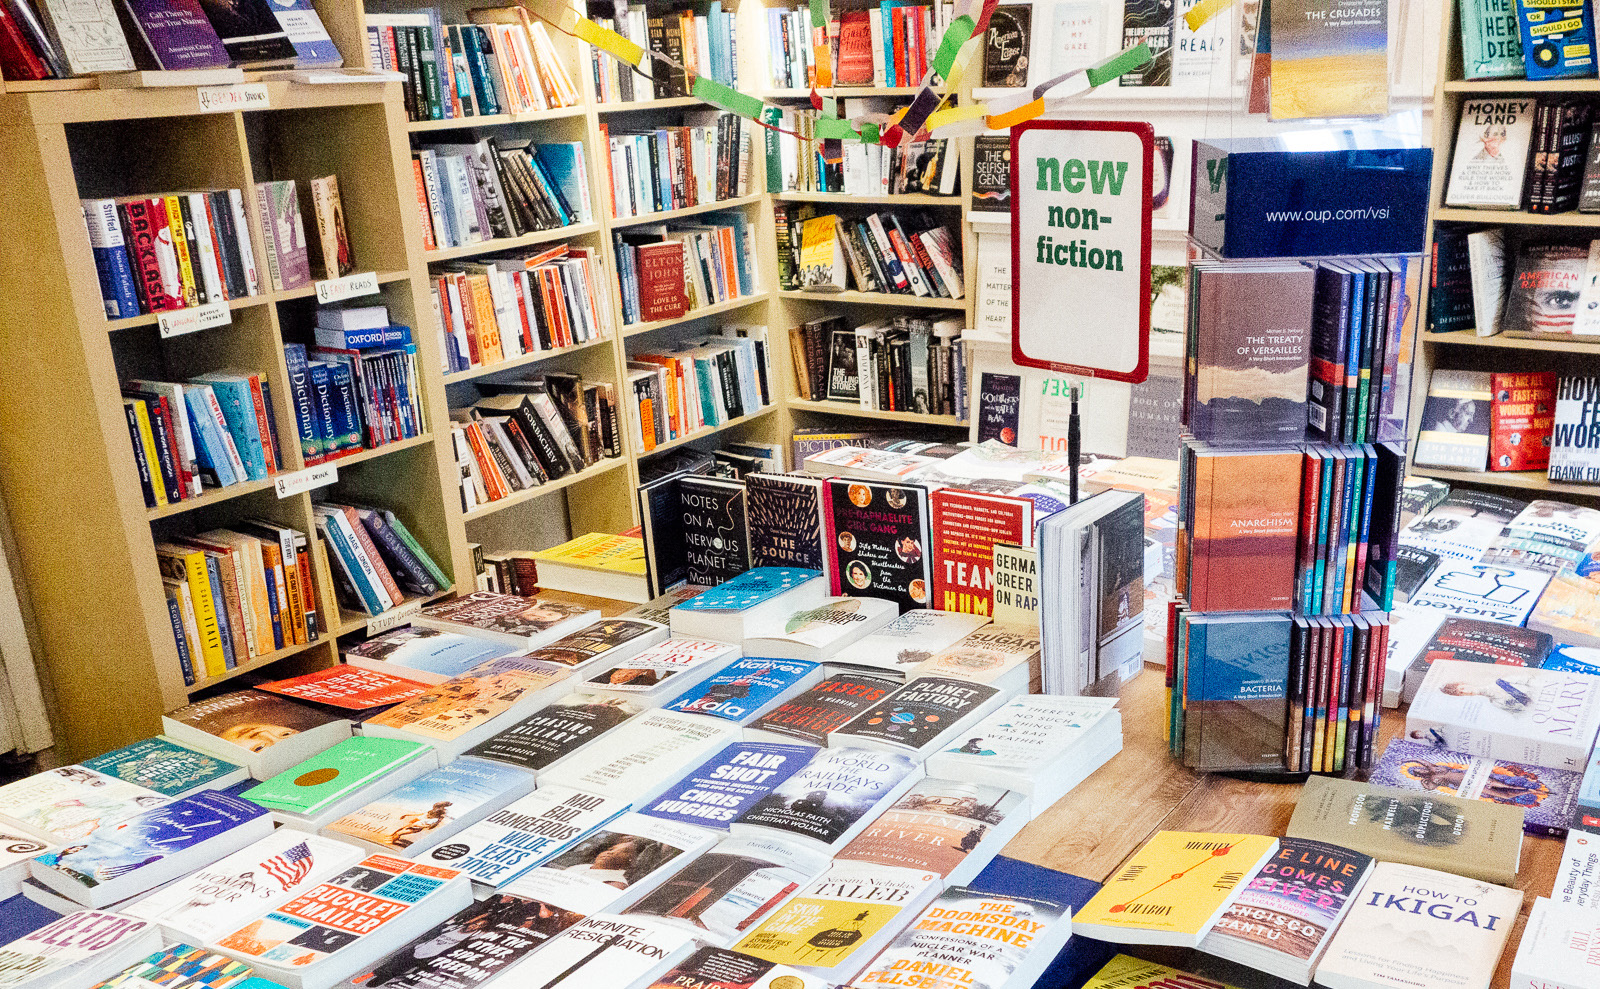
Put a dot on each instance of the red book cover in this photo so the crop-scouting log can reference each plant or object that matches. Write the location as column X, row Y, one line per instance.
column 1521, row 419
column 350, row 687
column 143, row 239
column 428, row 243
column 17, row 57
column 661, row 282
column 855, row 48
column 966, row 525
column 897, row 29
column 1246, row 523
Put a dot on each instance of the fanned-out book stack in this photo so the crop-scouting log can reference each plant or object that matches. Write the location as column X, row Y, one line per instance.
column 883, row 44
column 709, row 158
column 471, row 193
column 902, row 254
column 903, row 364
column 502, row 63
column 236, row 594
column 497, row 309
column 162, row 253
column 216, row 430
column 376, row 562
column 704, row 41
column 525, row 433
column 678, row 392
column 667, row 270
column 359, row 391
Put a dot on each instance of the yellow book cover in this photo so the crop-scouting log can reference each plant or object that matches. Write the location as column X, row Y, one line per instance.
column 599, row 550
column 820, row 263
column 180, row 246
column 188, row 565
column 1174, row 888
column 1123, row 972
column 147, row 443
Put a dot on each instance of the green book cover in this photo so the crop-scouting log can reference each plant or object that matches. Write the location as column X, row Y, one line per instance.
column 162, row 765
column 773, row 116
column 1490, row 45
column 331, row 775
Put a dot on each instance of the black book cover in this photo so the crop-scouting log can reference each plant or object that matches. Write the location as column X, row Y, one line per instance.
column 520, row 407
column 991, row 173
column 555, row 731
column 1412, row 567
column 566, row 390
column 222, row 221
column 249, row 30
column 1149, row 21
column 844, row 383
column 1005, row 46
column 880, row 541
column 591, row 641
column 785, row 518
column 498, row 931
column 1450, row 277
column 920, row 711
column 999, row 407
column 810, row 716
column 715, row 529
column 661, row 524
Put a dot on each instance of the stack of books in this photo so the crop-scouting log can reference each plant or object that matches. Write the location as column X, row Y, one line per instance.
column 377, row 563
column 216, row 430
column 884, row 44
column 904, row 364
column 470, row 193
column 362, row 393
column 678, row 392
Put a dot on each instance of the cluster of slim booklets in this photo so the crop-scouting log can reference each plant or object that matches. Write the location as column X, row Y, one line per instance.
column 513, row 789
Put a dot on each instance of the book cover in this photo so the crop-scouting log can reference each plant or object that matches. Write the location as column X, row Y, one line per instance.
column 1330, row 58
column 283, row 226
column 352, row 688
column 227, row 894
column 465, row 703
column 934, row 826
column 633, row 851
column 724, row 892
column 811, row 716
column 999, row 407
column 610, row 950
column 1490, row 48
column 1250, row 380
column 966, row 525
column 556, row 731
column 1548, row 797
column 335, row 916
column 1491, row 155
column 910, row 640
column 715, row 528
column 1455, row 421
column 123, row 849
column 593, row 642
column 425, row 652
column 177, row 34
column 1176, row 885
column 88, row 35
column 1557, row 38
column 919, row 713
column 1244, row 523
column 1235, row 690
column 1474, row 838
column 1542, row 296
column 181, row 967
column 252, row 719
column 503, row 615
column 70, row 944
column 1149, row 22
column 749, row 589
column 820, row 631
column 785, row 517
column 660, row 669
column 833, row 792
column 661, row 281
column 1463, row 924
column 1127, row 972
column 164, row 766
column 1006, row 61
column 1540, row 717
column 409, row 816
column 991, row 170
column 1480, row 590
column 641, row 757
column 334, row 774
column 1575, row 446
column 742, row 688
column 312, row 45
column 724, row 786
column 880, row 538
column 251, row 34
column 718, row 968
column 71, row 802
column 966, row 937
column 1022, row 736
column 1521, row 420
column 524, row 833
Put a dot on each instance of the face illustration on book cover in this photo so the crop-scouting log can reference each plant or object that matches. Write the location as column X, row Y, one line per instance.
column 472, row 946
column 251, row 719
column 879, row 548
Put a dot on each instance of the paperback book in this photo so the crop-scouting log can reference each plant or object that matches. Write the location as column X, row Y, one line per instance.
column 166, row 767
column 523, row 834
column 747, row 688
column 517, row 622
column 661, row 671
column 643, row 757
column 832, row 799
column 554, row 732
column 323, row 787
column 941, row 826
column 69, row 804
column 430, row 809
column 79, row 949
column 813, row 715
column 919, row 717
column 723, row 893
column 1548, row 797
column 912, row 639
column 724, row 786
column 263, row 732
column 612, row 867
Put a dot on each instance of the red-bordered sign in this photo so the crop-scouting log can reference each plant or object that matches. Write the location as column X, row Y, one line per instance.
column 1080, row 247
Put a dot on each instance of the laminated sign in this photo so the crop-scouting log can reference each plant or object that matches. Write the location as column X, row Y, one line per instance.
column 1080, row 247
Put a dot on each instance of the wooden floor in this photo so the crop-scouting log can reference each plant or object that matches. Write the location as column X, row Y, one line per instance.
column 1093, row 829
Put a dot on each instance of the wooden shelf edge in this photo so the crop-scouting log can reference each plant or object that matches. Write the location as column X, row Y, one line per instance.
column 1521, row 85
column 211, row 496
column 250, row 301
column 668, row 215
column 637, row 106
column 846, row 409
column 482, row 371
column 532, row 494
column 510, row 243
column 700, row 434
column 1521, row 480
column 496, row 120
column 256, row 664
column 350, row 622
column 892, row 199
column 635, row 329
column 1512, row 217
column 877, row 299
column 1516, row 341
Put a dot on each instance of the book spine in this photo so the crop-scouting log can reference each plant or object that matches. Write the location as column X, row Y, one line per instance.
column 117, row 288
column 205, row 613
column 396, row 551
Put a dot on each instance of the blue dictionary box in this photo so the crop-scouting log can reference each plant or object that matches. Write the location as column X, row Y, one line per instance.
column 1311, row 193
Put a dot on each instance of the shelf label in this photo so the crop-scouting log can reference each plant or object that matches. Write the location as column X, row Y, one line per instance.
column 348, row 287
column 239, row 96
column 400, row 614
column 304, row 480
column 194, row 319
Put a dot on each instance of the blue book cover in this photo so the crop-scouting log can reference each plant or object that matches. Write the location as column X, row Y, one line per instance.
column 443, row 801
column 162, row 765
column 750, row 588
column 111, row 258
column 239, row 409
column 320, row 373
column 20, row 916
column 1236, row 689
column 563, row 167
column 312, row 46
column 445, row 655
column 395, row 335
column 110, row 853
column 729, row 783
column 1573, row 659
column 1557, row 38
column 340, row 547
column 300, row 393
column 209, row 450
column 744, row 689
column 1082, row 957
column 345, row 407
column 744, row 254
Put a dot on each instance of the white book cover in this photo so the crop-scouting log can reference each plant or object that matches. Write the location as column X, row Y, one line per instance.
column 1481, row 590
column 819, row 633
column 1586, row 320
column 607, row 950
column 1023, row 736
column 1560, row 948
column 1538, row 717
column 1573, row 456
column 830, row 800
column 991, row 654
column 661, row 671
column 611, row 867
column 913, row 638
column 721, row 894
column 1491, row 152
column 976, row 939
column 78, row 950
column 1559, row 523
column 1419, row 927
column 69, row 803
column 522, row 834
column 1578, row 878
column 1077, row 33
column 643, row 756
column 1486, row 259
column 241, row 887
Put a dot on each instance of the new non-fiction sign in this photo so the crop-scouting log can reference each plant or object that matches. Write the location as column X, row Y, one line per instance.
column 1080, row 247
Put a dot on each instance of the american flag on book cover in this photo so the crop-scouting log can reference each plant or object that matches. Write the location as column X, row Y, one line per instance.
column 290, row 865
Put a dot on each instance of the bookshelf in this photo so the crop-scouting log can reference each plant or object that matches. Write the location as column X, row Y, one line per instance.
column 1508, row 351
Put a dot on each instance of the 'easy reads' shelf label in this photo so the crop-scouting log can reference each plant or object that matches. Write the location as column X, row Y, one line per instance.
column 347, row 287
column 194, row 319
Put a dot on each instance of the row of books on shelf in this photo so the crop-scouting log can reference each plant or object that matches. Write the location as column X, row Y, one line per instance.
column 239, row 593
column 502, row 308
column 471, row 193
column 678, row 392
column 1511, row 421
column 884, row 44
column 212, row 431
column 704, row 42
column 1321, row 357
column 1491, row 280
column 50, row 40
column 795, row 162
column 880, row 252
column 1519, row 40
column 533, row 431
column 348, row 399
column 502, row 63
column 667, row 270
column 711, row 157
column 904, row 364
column 160, row 253
column 376, row 562
column 1526, row 153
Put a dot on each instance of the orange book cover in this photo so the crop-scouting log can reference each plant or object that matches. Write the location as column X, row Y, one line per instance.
column 1246, row 524
column 1521, row 420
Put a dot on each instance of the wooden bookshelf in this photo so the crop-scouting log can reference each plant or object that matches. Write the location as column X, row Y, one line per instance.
column 1503, row 351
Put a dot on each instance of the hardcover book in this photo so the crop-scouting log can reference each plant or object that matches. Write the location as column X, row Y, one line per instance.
column 253, row 37
column 811, row 716
column 1405, row 905
column 724, row 892
column 555, row 732
column 941, row 826
column 1475, row 838
column 1490, row 48
column 323, row 781
column 714, row 528
column 991, row 173
column 166, row 767
column 878, row 539
column 523, row 623
column 785, row 521
column 966, row 525
column 1548, row 797
column 1521, row 420
column 1542, row 296
column 1491, row 153
column 1173, row 889
column 832, row 798
column 429, row 809
column 1538, row 717
column 746, row 688
column 88, row 35
column 177, row 34
column 1554, row 949
column 524, row 833
column 265, row 732
column 611, row 950
column 908, row 641
column 1575, row 445
column 69, row 804
column 1005, row 47
column 1557, row 38
column 1149, row 22
column 350, row 687
column 983, row 948
column 1455, row 421
column 724, row 786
